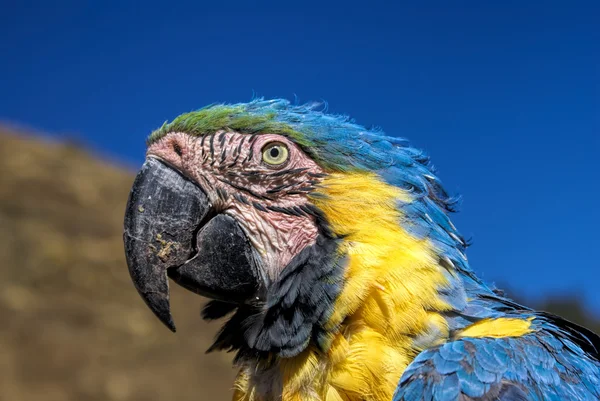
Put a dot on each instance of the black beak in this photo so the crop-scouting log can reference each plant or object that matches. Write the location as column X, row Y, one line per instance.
column 171, row 230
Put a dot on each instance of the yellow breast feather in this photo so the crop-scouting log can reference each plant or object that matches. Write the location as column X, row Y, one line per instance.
column 390, row 296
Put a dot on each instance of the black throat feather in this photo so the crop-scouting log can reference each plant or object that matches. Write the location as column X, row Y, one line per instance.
column 294, row 313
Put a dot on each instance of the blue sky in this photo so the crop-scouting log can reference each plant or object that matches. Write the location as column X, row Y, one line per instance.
column 505, row 97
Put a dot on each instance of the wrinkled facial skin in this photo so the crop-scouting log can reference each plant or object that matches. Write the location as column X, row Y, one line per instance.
column 269, row 202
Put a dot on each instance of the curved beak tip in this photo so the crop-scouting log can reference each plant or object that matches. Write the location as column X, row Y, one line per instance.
column 159, row 304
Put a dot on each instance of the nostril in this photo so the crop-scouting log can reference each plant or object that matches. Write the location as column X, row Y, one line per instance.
column 177, row 149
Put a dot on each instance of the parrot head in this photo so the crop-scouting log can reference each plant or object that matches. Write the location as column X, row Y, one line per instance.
column 283, row 215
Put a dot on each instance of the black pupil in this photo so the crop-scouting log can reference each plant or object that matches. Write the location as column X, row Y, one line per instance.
column 274, row 152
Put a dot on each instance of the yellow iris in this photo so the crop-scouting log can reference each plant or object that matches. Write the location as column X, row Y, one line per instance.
column 275, row 153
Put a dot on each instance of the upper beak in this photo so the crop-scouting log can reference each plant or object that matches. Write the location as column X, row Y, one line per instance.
column 171, row 229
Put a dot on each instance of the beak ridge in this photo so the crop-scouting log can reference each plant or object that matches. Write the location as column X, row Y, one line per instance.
column 163, row 213
column 171, row 231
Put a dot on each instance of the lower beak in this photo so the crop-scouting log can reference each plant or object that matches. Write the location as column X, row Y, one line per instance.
column 171, row 230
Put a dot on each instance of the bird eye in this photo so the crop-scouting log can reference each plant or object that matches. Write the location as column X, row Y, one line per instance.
column 275, row 153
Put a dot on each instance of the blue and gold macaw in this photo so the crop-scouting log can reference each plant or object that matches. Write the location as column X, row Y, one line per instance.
column 329, row 248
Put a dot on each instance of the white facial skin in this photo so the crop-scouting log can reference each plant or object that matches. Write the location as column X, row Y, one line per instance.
column 231, row 168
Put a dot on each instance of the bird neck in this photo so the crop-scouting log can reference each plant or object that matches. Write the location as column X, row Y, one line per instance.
column 390, row 308
column 380, row 322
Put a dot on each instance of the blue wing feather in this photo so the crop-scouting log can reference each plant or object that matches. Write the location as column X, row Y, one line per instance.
column 559, row 361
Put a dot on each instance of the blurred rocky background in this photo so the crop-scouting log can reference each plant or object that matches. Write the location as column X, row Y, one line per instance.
column 72, row 325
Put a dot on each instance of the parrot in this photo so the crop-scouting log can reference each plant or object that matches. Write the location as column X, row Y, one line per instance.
column 327, row 250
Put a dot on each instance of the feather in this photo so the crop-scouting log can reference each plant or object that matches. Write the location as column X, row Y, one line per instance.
column 385, row 304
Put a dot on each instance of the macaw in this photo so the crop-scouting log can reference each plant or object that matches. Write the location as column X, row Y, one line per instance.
column 329, row 249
